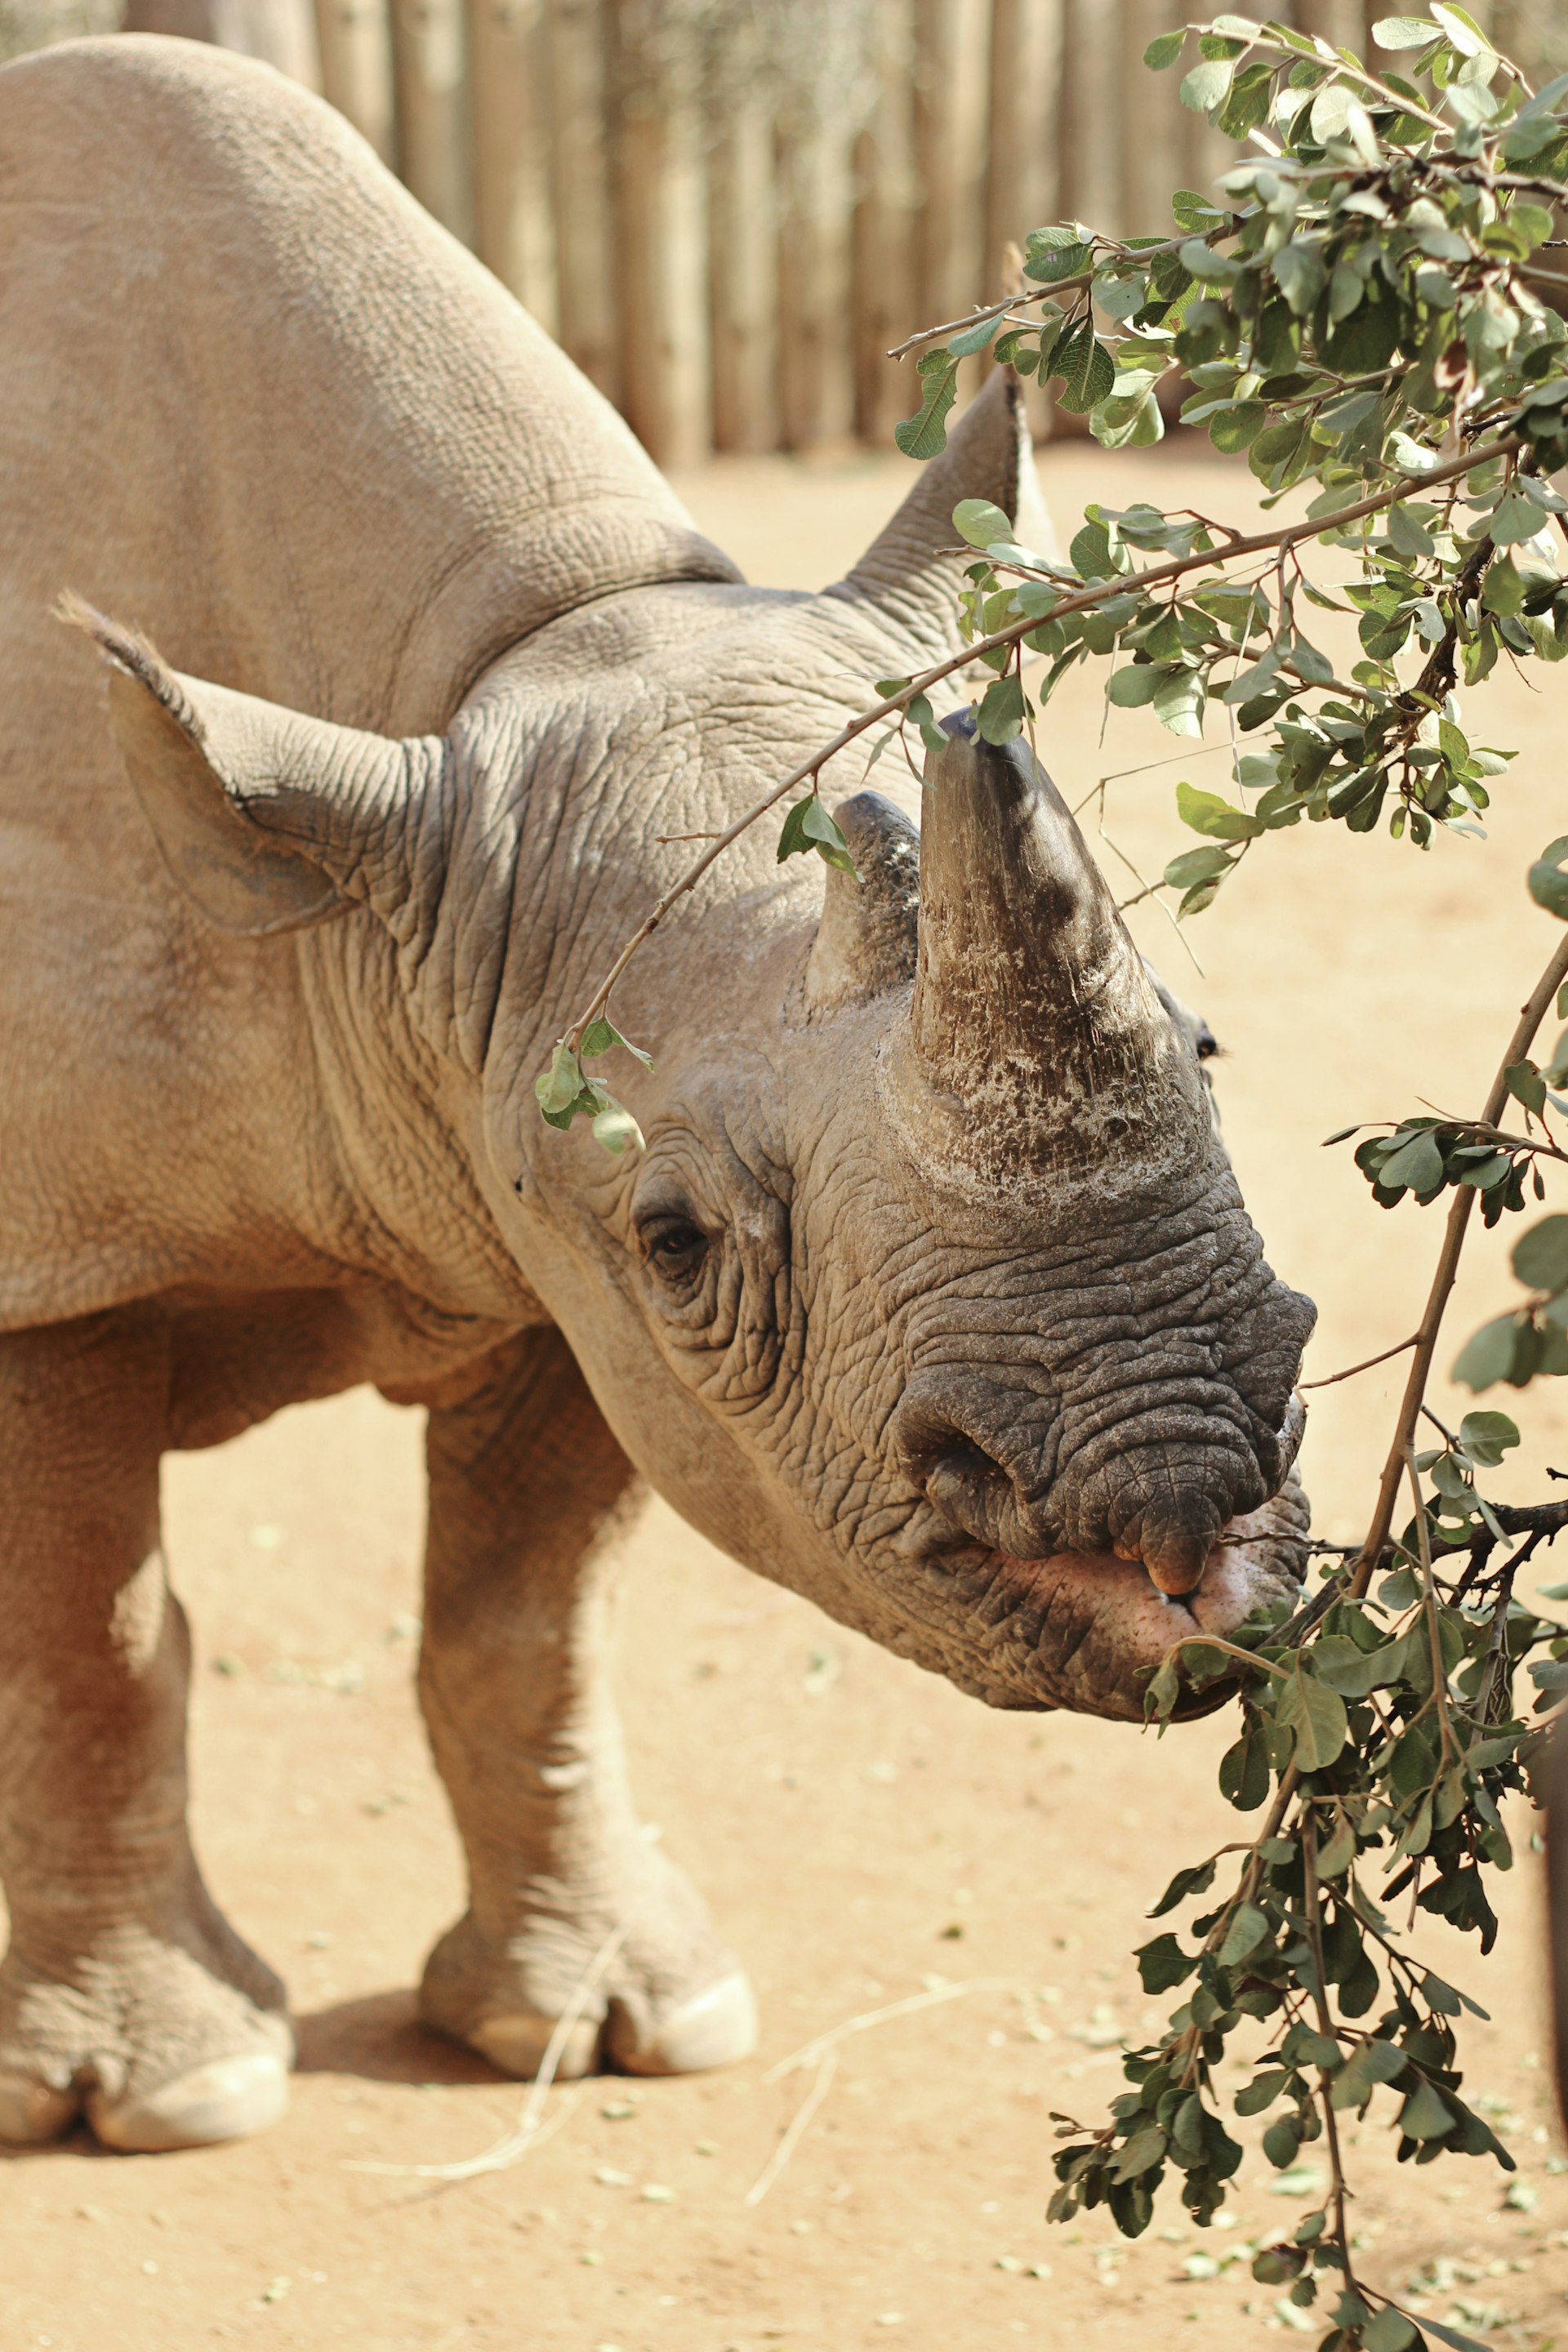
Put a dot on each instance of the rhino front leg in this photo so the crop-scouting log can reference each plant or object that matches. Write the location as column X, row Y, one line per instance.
column 529, row 1499
column 123, row 1990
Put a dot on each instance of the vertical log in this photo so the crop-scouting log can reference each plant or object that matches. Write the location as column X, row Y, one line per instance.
column 433, row 109
column 743, row 279
column 282, row 33
column 950, row 88
column 815, row 394
column 1151, row 125
column 882, row 282
column 660, row 237
column 508, row 63
column 1023, row 158
column 1091, row 89
column 1340, row 22
column 580, row 193
column 355, row 39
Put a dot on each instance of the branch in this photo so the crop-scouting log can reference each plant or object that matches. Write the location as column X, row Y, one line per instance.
column 1157, row 576
column 1531, row 1014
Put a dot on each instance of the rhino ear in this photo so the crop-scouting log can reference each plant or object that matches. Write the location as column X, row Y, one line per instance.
column 865, row 943
column 268, row 820
column 905, row 573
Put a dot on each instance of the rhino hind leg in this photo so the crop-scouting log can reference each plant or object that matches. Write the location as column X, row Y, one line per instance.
column 530, row 1498
column 124, row 1994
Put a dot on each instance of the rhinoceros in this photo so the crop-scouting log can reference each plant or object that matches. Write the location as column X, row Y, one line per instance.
column 930, row 1295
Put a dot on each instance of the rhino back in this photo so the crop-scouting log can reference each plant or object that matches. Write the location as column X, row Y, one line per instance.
column 255, row 400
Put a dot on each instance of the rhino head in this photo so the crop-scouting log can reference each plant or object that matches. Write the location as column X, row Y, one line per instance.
column 931, row 1294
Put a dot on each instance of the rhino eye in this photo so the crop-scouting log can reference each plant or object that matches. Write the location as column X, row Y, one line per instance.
column 674, row 1248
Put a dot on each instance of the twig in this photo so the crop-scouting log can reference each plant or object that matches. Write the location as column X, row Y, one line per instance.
column 1352, row 1370
column 799, row 2123
column 1314, row 1912
column 810, row 770
column 931, row 1998
column 528, row 2129
column 1531, row 1014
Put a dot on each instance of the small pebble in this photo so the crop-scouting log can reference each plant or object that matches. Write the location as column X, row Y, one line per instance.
column 591, row 2260
column 656, row 2193
column 889, row 2319
column 707, row 2147
column 608, row 2178
column 1008, row 2262
column 617, row 2111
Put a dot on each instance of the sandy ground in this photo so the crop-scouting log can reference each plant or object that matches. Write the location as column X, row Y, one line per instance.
column 862, row 1829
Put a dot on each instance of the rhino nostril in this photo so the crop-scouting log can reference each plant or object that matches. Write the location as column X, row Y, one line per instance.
column 958, row 1474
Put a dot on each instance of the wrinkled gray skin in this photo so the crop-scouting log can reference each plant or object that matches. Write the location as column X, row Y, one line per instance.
column 931, row 1296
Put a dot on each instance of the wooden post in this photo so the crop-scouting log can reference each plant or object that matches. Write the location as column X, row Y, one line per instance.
column 355, row 38
column 508, row 70
column 1341, row 22
column 1151, row 136
column 433, row 109
column 815, row 383
column 743, row 279
column 1022, row 176
column 580, row 196
column 659, row 238
column 1092, row 91
column 882, row 233
column 282, row 33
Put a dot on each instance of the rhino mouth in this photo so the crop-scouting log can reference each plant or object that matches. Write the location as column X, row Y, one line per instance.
column 1084, row 1631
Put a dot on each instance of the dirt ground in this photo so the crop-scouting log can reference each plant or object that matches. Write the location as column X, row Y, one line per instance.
column 862, row 1829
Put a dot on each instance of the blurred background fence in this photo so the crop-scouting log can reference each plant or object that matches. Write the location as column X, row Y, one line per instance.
column 727, row 210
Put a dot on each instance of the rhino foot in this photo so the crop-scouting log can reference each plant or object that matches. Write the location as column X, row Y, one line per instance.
column 155, row 2047
column 660, row 2009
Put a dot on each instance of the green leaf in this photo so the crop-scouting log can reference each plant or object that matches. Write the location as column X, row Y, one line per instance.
column 972, row 340
column 1403, row 32
column 1300, row 274
column 1244, row 1769
column 1086, row 368
column 1406, row 534
column 1206, row 812
column 1130, row 688
column 1316, row 1716
column 1000, row 716
column 1195, row 866
column 1527, row 1085
column 1388, row 2330
column 1184, row 1886
column 1247, row 1929
column 925, row 435
column 1488, row 1436
column 1053, row 254
column 1163, row 1964
column 821, row 830
column 1451, row 2336
column 561, row 1085
column 1164, row 50
column 1549, row 883
column 1424, row 2115
column 1540, row 1262
column 982, row 522
column 1178, row 702
column 1236, row 427
column 1207, row 85
column 1418, row 1163
column 1141, row 2153
column 616, row 1130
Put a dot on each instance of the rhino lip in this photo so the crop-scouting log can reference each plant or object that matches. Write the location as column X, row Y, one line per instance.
column 1086, row 1593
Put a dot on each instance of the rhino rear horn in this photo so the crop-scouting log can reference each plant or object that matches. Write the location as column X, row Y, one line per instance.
column 268, row 820
column 865, row 941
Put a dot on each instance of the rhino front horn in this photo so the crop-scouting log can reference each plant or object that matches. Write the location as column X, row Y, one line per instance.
column 1035, row 1034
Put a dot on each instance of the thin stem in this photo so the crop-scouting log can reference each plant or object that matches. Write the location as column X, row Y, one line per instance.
column 1326, row 2028
column 1352, row 1370
column 1429, row 1613
column 1531, row 1014
column 809, row 771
